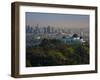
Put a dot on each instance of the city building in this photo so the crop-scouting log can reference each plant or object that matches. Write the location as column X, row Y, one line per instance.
column 74, row 39
column 34, row 35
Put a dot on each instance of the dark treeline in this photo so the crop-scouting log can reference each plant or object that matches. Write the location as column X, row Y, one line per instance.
column 52, row 52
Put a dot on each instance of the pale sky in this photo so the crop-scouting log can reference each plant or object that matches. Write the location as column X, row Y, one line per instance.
column 57, row 20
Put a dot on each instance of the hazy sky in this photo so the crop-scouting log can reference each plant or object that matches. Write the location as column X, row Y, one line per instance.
column 57, row 20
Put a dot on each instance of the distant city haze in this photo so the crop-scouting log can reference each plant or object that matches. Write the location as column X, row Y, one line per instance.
column 57, row 20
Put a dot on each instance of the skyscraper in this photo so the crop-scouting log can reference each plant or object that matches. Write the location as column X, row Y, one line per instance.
column 48, row 29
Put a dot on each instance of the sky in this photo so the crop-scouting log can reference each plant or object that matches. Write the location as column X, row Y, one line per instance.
column 57, row 20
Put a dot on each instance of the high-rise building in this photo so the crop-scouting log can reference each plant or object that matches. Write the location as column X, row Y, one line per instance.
column 48, row 29
column 45, row 30
column 29, row 29
column 37, row 30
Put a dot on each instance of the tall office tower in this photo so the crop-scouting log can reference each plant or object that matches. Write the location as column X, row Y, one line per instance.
column 37, row 30
column 41, row 30
column 45, row 30
column 33, row 30
column 29, row 29
column 48, row 29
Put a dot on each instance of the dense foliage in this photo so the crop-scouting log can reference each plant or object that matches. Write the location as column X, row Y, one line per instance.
column 53, row 52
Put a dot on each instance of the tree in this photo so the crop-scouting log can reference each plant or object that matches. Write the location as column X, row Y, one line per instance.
column 53, row 52
column 83, row 52
column 56, row 58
